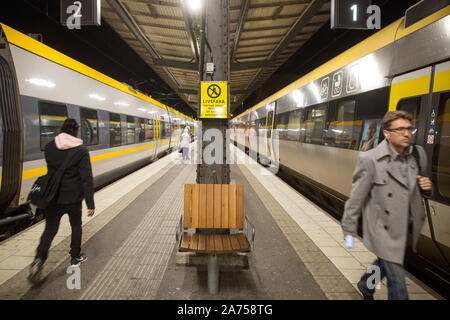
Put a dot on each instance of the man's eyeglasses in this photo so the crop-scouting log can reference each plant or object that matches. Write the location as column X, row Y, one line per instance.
column 401, row 129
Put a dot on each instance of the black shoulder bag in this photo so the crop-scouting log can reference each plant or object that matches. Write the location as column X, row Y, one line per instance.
column 45, row 188
column 415, row 154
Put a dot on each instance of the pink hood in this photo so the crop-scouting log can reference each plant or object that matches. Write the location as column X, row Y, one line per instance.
column 65, row 141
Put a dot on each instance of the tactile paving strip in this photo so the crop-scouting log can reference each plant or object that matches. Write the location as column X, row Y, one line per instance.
column 137, row 267
column 18, row 285
column 327, row 276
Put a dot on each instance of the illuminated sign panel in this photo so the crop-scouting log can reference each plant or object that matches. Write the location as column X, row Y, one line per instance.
column 349, row 14
column 75, row 14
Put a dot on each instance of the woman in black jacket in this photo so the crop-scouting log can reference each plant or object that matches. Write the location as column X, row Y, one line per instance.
column 76, row 184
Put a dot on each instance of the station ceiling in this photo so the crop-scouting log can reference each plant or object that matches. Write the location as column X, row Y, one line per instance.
column 262, row 35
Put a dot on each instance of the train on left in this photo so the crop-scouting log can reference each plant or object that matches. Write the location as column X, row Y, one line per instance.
column 122, row 128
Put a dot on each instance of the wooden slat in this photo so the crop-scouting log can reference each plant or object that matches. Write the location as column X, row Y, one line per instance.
column 193, row 244
column 210, row 206
column 243, row 243
column 210, row 246
column 240, row 207
column 184, row 245
column 201, row 243
column 195, row 205
column 218, row 246
column 235, row 243
column 187, row 206
column 225, row 197
column 226, row 243
column 232, row 207
column 217, row 205
column 202, row 210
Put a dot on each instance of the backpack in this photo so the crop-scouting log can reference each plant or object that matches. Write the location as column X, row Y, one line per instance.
column 45, row 188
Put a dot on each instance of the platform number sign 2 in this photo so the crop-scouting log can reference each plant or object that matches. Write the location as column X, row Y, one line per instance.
column 74, row 20
column 355, row 14
column 77, row 13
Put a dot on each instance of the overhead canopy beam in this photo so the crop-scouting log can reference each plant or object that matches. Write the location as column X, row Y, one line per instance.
column 145, row 14
column 250, row 65
column 176, row 64
column 273, row 4
column 153, row 11
column 155, row 3
column 236, row 66
column 162, row 26
column 268, row 18
column 242, row 18
column 188, row 23
column 129, row 22
column 309, row 12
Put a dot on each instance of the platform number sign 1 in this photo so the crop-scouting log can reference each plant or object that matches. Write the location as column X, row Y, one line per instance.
column 75, row 14
column 355, row 14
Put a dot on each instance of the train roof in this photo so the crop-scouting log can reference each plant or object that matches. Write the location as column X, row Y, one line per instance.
column 25, row 42
column 382, row 38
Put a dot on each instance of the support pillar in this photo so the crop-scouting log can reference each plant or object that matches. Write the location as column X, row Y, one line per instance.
column 214, row 48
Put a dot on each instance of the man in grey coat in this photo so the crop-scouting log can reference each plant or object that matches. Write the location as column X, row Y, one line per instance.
column 386, row 191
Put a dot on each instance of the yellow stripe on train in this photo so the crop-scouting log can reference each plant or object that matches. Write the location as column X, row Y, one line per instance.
column 37, row 172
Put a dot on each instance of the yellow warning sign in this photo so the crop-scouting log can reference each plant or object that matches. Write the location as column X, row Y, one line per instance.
column 214, row 99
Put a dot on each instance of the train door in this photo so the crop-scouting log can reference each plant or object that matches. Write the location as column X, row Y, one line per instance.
column 425, row 94
column 437, row 139
column 156, row 128
column 269, row 131
column 11, row 137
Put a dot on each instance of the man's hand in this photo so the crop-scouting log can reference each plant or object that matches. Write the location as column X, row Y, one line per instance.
column 91, row 212
column 424, row 183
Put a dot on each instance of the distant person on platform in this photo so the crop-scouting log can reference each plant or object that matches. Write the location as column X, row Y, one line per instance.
column 387, row 192
column 185, row 142
column 76, row 184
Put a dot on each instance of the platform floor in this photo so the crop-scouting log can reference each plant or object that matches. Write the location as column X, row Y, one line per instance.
column 130, row 242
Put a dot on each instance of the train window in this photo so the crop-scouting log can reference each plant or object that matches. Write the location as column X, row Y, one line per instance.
column 115, row 130
column 51, row 118
column 293, row 127
column 441, row 158
column 411, row 105
column 89, row 126
column 131, row 129
column 141, row 130
column 345, row 131
column 149, row 129
column 282, row 121
column 167, row 129
column 314, row 124
column 162, row 130
column 372, row 105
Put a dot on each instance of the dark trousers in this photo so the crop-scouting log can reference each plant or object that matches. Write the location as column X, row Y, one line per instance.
column 53, row 216
column 396, row 282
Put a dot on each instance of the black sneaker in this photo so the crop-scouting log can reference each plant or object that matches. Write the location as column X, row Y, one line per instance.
column 367, row 295
column 77, row 261
column 36, row 270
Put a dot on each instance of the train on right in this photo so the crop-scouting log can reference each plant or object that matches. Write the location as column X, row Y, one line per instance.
column 314, row 128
